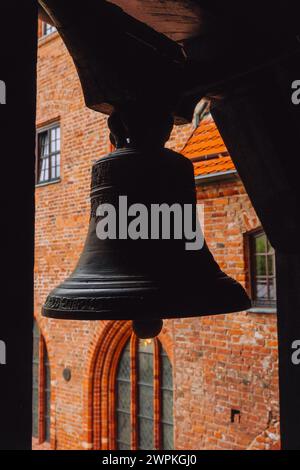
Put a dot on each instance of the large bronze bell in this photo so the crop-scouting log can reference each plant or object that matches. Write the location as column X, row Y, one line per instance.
column 144, row 280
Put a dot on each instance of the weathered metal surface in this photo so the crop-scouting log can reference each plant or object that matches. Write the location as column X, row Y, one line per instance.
column 144, row 279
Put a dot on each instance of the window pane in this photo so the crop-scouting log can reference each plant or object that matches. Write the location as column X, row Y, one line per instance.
column 35, row 384
column 58, row 165
column 146, row 394
column 272, row 289
column 261, row 268
column 123, row 389
column 146, row 368
column 35, row 370
column 263, row 272
column 45, row 144
column 48, row 29
column 271, row 265
column 49, row 154
column 167, row 402
column 167, row 378
column 262, row 289
column 146, row 434
column 261, row 244
column 124, row 364
column 43, row 156
column 124, row 431
column 47, row 395
column 146, row 346
column 35, row 413
column 167, row 406
column 122, row 446
column 36, row 342
column 167, row 437
column 146, row 397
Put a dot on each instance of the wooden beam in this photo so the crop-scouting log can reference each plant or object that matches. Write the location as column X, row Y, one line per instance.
column 116, row 56
column 199, row 47
column 43, row 15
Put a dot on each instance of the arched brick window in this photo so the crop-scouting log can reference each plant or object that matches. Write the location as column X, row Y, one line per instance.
column 144, row 397
column 41, row 388
column 131, row 389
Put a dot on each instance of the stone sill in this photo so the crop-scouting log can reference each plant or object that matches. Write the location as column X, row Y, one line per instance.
column 48, row 38
column 48, row 183
column 267, row 310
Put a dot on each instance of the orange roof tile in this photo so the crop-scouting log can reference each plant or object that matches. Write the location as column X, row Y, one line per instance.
column 206, row 141
column 215, row 165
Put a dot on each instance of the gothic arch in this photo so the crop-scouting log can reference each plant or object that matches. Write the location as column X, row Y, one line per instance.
column 44, row 332
column 45, row 350
column 101, row 382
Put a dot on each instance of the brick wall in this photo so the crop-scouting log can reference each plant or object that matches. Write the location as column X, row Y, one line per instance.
column 227, row 362
column 220, row 364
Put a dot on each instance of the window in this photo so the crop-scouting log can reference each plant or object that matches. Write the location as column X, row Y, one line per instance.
column 263, row 274
column 48, row 29
column 144, row 397
column 41, row 388
column 48, row 164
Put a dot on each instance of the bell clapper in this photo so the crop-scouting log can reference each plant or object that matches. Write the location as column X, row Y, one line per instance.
column 147, row 329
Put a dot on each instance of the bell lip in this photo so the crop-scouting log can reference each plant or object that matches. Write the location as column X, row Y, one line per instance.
column 113, row 315
column 121, row 301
